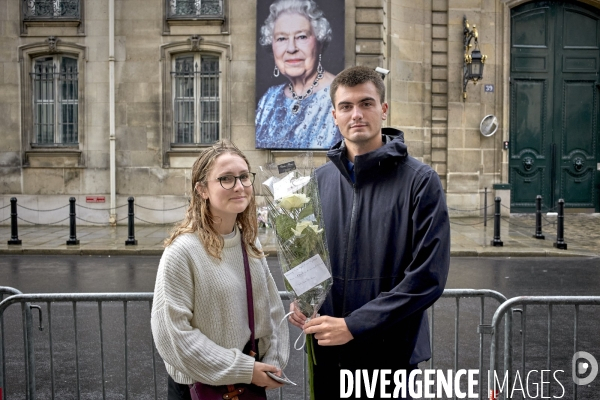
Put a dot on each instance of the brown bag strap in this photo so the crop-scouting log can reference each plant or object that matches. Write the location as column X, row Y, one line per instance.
column 249, row 299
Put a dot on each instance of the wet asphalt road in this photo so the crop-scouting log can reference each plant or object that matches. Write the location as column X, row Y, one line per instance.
column 510, row 276
column 76, row 274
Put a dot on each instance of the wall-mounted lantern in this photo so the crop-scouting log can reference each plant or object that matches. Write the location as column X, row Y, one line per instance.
column 472, row 63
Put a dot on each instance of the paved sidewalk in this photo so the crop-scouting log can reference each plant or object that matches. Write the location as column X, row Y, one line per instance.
column 469, row 238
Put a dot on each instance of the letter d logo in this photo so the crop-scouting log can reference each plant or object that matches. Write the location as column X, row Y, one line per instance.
column 581, row 367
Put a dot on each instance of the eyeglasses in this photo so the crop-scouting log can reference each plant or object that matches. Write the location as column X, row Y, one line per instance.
column 228, row 181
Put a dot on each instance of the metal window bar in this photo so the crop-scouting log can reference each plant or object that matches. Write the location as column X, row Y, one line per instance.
column 68, row 83
column 184, row 116
column 43, row 99
column 209, row 100
column 459, row 294
column 51, row 9
column 196, row 88
column 505, row 311
column 195, row 8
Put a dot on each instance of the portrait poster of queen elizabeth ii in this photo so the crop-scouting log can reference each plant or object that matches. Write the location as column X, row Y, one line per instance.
column 300, row 50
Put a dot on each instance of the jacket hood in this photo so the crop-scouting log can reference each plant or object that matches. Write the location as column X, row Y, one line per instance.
column 393, row 132
column 393, row 150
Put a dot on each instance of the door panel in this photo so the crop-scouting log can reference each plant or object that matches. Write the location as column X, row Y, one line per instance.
column 586, row 32
column 531, row 116
column 530, row 182
column 578, row 130
column 554, row 105
column 578, row 148
column 529, row 158
column 529, row 28
column 578, row 188
column 576, row 73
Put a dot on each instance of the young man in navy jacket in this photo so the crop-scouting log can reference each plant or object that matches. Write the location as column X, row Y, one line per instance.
column 388, row 235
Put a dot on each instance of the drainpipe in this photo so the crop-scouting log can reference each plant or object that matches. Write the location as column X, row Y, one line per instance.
column 111, row 106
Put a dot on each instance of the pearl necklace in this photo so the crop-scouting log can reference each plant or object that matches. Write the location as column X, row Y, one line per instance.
column 298, row 99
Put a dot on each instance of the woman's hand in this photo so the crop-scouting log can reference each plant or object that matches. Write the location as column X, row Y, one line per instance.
column 297, row 318
column 260, row 378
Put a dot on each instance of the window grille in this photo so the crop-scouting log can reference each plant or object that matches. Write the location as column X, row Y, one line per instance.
column 52, row 9
column 195, row 8
column 196, row 103
column 55, row 100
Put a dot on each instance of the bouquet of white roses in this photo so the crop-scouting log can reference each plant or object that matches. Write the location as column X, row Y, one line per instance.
column 295, row 213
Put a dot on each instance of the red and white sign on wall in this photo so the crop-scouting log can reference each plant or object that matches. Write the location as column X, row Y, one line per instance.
column 95, row 199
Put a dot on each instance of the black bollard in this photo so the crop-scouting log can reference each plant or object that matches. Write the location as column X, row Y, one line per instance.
column 14, row 229
column 538, row 218
column 485, row 207
column 497, row 241
column 72, row 227
column 130, row 225
column 560, row 226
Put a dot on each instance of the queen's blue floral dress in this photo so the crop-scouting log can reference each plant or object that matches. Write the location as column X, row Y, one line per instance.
column 312, row 127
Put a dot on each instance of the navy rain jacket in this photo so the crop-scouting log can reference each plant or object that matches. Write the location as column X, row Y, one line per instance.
column 389, row 243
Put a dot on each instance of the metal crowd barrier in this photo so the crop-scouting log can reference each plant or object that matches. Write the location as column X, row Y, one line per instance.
column 459, row 294
column 74, row 299
column 80, row 332
column 505, row 312
column 27, row 340
column 77, row 332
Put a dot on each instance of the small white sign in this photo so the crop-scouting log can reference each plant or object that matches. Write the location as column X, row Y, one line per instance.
column 288, row 185
column 307, row 275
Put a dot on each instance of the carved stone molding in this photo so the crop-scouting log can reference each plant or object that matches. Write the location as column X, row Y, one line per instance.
column 195, row 42
column 52, row 43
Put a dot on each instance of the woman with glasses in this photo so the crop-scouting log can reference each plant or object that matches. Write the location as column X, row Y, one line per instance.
column 200, row 320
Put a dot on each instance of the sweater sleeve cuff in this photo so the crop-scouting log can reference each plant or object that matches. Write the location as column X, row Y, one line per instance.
column 271, row 359
column 246, row 369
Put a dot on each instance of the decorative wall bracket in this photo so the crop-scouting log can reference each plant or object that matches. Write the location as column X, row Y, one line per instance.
column 472, row 63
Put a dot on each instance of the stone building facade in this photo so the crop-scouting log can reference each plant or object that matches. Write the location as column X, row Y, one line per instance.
column 114, row 63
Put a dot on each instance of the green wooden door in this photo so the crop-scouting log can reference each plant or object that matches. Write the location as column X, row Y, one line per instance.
column 554, row 105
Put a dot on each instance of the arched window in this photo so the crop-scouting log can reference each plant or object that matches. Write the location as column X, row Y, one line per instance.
column 52, row 103
column 195, row 102
column 55, row 84
column 196, row 99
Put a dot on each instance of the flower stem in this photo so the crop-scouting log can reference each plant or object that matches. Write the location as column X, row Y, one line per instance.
column 312, row 361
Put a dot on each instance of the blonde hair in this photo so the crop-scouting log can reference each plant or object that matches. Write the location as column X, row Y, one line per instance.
column 198, row 217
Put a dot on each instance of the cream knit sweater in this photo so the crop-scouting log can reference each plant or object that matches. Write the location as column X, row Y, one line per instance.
column 200, row 316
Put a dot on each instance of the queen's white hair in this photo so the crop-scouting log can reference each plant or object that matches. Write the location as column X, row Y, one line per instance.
column 306, row 8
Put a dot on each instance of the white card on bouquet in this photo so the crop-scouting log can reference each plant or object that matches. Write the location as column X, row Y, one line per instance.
column 307, row 275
